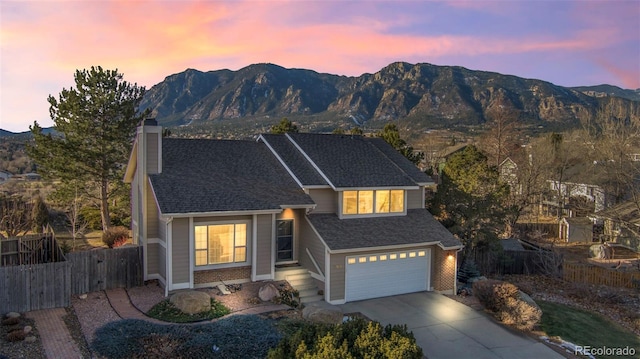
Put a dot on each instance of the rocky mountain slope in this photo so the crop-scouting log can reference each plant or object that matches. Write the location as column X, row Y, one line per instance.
column 426, row 95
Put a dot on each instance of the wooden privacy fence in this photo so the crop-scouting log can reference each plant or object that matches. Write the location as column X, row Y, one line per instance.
column 30, row 249
column 49, row 285
column 516, row 262
column 590, row 274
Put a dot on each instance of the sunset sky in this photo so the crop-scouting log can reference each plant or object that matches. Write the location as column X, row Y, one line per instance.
column 568, row 43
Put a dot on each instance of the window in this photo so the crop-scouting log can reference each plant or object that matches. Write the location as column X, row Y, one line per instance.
column 221, row 243
column 368, row 202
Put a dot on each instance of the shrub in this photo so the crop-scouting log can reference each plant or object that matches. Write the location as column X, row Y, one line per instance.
column 168, row 312
column 10, row 321
column 115, row 236
column 288, row 296
column 356, row 338
column 503, row 299
column 468, row 270
column 16, row 335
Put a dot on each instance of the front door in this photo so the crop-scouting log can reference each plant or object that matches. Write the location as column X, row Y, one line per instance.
column 284, row 244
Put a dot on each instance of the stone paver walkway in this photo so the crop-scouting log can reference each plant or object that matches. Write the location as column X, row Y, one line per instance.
column 55, row 336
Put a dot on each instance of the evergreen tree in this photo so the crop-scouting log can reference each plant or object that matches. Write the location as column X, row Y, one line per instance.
column 96, row 121
column 39, row 214
column 470, row 199
column 285, row 126
column 391, row 135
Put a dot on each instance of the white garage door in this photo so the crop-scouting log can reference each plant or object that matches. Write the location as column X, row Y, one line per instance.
column 385, row 274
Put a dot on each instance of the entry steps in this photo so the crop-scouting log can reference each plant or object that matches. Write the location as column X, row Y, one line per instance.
column 300, row 280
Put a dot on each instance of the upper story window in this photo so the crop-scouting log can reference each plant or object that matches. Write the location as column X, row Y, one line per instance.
column 370, row 201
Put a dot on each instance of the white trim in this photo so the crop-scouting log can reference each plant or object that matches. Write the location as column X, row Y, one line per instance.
column 159, row 241
column 273, row 245
column 169, row 257
column 313, row 164
column 222, row 213
column 315, row 264
column 261, row 277
column 383, row 248
column 254, row 246
column 192, row 254
column 326, row 247
column 339, row 189
column 264, row 140
column 449, row 248
column 319, row 277
column 337, row 302
column 327, row 271
column 298, row 206
column 179, row 286
column 318, row 186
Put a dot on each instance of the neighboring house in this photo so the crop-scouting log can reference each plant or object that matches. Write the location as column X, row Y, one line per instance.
column 4, row 176
column 581, row 192
column 349, row 210
column 576, row 229
column 509, row 174
column 621, row 224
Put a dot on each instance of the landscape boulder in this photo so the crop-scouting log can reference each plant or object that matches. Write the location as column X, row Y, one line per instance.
column 527, row 299
column 323, row 312
column 267, row 292
column 13, row 315
column 191, row 301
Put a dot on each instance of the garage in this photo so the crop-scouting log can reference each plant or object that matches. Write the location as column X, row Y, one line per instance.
column 386, row 273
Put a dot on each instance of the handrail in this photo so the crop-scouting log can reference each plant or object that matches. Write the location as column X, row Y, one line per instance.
column 315, row 264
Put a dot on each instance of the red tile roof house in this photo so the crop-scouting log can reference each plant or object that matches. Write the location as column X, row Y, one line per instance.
column 347, row 211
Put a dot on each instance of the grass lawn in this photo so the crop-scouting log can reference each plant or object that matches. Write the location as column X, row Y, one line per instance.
column 584, row 328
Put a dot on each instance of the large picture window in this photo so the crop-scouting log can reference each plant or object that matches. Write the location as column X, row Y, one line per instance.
column 220, row 243
column 367, row 202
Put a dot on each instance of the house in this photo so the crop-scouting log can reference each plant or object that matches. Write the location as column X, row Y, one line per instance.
column 576, row 229
column 4, row 176
column 346, row 210
column 509, row 174
column 621, row 224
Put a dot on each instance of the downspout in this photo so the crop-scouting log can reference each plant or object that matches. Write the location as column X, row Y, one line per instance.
column 455, row 277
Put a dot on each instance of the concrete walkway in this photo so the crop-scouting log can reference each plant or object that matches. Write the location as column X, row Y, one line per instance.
column 54, row 334
column 447, row 329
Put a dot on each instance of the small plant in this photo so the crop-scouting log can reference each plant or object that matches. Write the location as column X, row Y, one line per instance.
column 115, row 237
column 288, row 296
column 168, row 312
column 468, row 270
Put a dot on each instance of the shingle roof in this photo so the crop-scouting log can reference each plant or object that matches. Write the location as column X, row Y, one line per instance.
column 418, row 226
column 405, row 165
column 222, row 175
column 626, row 212
column 294, row 160
column 351, row 161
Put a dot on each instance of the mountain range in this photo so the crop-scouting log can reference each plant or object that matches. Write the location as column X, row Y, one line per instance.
column 427, row 96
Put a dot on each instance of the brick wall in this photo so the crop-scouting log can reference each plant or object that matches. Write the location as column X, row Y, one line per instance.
column 444, row 270
column 226, row 274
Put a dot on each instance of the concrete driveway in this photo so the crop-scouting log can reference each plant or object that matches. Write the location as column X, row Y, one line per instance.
column 447, row 329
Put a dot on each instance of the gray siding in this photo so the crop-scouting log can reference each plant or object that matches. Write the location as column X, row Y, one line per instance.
column 310, row 240
column 415, row 199
column 152, row 153
column 152, row 215
column 263, row 244
column 162, row 261
column 326, row 200
column 180, row 250
column 152, row 258
column 336, row 269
